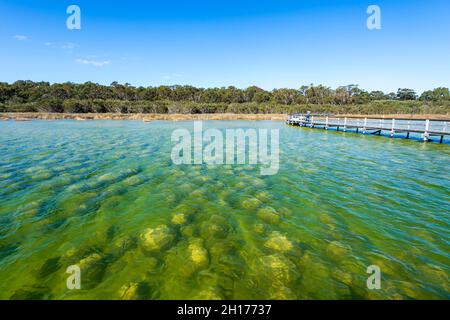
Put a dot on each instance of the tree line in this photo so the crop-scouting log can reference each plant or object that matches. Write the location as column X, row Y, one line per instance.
column 29, row 96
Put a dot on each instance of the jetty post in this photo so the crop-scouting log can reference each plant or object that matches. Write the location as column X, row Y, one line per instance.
column 345, row 124
column 393, row 128
column 426, row 135
column 326, row 123
column 409, row 127
column 365, row 125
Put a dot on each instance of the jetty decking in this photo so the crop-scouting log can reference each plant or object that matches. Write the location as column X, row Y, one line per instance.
column 425, row 128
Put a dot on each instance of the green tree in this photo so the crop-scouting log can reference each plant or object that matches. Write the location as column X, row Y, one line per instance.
column 438, row 94
column 406, row 94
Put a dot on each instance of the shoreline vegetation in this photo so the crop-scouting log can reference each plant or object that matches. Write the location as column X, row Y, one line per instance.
column 20, row 116
column 125, row 101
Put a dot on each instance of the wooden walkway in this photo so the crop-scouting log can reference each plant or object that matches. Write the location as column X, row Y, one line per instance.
column 425, row 128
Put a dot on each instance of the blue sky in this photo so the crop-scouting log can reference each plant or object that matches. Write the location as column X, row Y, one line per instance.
column 271, row 44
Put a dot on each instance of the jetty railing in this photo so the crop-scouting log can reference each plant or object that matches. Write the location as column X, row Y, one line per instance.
column 425, row 128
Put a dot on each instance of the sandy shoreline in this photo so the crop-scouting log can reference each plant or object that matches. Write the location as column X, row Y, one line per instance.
column 139, row 116
column 182, row 117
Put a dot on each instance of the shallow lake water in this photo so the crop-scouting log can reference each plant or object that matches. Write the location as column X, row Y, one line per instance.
column 105, row 196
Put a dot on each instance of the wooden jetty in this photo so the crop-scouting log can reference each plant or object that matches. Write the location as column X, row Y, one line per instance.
column 425, row 128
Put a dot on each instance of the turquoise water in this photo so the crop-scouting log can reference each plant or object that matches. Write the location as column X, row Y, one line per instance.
column 105, row 196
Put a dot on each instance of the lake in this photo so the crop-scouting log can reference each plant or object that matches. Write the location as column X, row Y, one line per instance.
column 105, row 196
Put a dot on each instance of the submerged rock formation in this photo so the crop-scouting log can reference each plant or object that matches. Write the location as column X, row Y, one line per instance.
column 157, row 239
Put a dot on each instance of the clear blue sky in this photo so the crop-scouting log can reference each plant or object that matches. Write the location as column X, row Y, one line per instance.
column 208, row 43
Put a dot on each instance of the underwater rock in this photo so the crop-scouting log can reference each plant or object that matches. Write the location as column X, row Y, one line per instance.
column 50, row 266
column 202, row 179
column 337, row 250
column 281, row 293
column 342, row 276
column 284, row 211
column 171, row 199
column 280, row 270
column 331, row 227
column 256, row 182
column 124, row 244
column 185, row 209
column 93, row 269
column 263, row 196
column 179, row 219
column 152, row 263
column 278, row 242
column 198, row 193
column 42, row 175
column 108, row 177
column 111, row 232
column 31, row 293
column 133, row 181
column 198, row 254
column 185, row 189
column 228, row 172
column 209, row 294
column 215, row 228
column 129, row 291
column 437, row 273
column 409, row 290
column 251, row 203
column 31, row 209
column 210, row 231
column 268, row 215
column 71, row 253
column 135, row 291
column 240, row 185
column 8, row 249
column 325, row 218
column 90, row 260
column 223, row 196
column 387, row 265
column 156, row 239
column 259, row 228
column 315, row 270
column 120, row 264
column 187, row 231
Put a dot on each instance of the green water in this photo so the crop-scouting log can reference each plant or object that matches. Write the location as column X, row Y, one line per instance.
column 105, row 196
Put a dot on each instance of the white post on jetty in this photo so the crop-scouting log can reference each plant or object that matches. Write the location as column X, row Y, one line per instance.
column 393, row 127
column 312, row 121
column 426, row 135
column 365, row 125
column 345, row 124
column 326, row 123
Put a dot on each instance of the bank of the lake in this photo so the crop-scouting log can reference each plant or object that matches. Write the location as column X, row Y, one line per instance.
column 139, row 116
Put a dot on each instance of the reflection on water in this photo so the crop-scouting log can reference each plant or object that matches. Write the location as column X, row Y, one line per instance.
column 105, row 195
